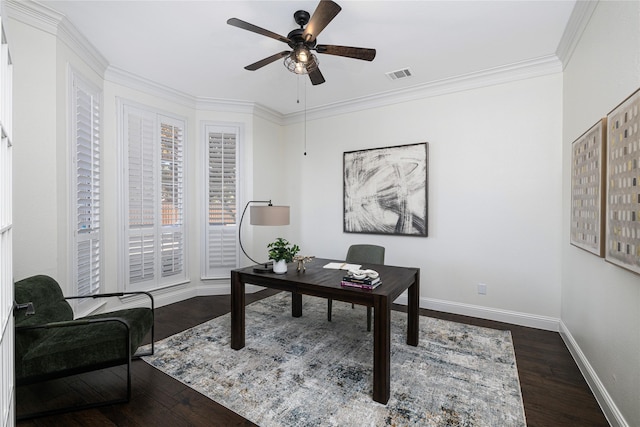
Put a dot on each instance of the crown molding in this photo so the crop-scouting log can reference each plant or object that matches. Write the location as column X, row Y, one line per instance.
column 537, row 67
column 132, row 81
column 517, row 71
column 71, row 36
column 48, row 20
column 580, row 16
column 267, row 113
column 34, row 14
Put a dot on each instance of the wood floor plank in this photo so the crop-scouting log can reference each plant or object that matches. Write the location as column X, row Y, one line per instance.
column 553, row 389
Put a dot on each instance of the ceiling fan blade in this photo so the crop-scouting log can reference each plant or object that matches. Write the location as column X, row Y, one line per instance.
column 316, row 77
column 255, row 29
column 350, row 52
column 267, row 61
column 324, row 13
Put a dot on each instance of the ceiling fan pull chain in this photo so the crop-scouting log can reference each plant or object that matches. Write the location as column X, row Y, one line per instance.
column 305, row 117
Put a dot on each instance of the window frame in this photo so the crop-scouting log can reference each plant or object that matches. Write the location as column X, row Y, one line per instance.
column 220, row 271
column 159, row 280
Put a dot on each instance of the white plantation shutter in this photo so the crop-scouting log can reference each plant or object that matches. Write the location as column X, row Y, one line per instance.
column 140, row 138
column 172, row 182
column 155, row 233
column 86, row 185
column 221, row 247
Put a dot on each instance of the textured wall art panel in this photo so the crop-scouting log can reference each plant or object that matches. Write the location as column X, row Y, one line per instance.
column 385, row 190
column 587, row 189
column 623, row 185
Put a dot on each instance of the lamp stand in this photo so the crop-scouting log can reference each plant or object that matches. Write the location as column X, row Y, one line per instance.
column 263, row 215
column 259, row 267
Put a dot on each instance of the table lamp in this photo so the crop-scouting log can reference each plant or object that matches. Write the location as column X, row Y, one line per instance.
column 263, row 215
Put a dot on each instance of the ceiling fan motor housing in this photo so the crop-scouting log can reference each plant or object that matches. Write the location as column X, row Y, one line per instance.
column 301, row 17
column 297, row 39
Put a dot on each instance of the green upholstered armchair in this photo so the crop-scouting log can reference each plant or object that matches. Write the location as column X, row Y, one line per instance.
column 361, row 254
column 50, row 343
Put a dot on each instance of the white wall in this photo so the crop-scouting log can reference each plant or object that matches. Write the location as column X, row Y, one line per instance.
column 272, row 180
column 35, row 216
column 601, row 302
column 494, row 194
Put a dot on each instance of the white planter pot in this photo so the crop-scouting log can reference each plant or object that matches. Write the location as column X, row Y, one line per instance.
column 280, row 267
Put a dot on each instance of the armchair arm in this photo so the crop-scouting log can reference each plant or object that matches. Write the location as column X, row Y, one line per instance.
column 115, row 294
column 78, row 322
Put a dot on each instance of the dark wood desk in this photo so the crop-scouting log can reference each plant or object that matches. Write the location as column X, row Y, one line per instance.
column 325, row 283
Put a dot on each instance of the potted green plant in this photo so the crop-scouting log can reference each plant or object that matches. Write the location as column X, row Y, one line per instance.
column 281, row 252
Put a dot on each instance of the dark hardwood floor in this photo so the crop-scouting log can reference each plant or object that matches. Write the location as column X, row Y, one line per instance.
column 553, row 389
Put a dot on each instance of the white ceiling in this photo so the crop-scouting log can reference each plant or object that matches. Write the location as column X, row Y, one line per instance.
column 189, row 47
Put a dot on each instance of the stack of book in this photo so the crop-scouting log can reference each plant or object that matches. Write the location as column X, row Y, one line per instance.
column 366, row 283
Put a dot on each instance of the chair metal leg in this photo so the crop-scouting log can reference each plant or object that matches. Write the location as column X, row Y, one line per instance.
column 329, row 306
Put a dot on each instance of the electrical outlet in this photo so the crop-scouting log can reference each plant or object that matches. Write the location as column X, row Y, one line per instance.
column 482, row 289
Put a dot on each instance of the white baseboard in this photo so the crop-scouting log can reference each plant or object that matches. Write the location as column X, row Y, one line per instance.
column 513, row 317
column 608, row 406
column 213, row 289
column 225, row 289
column 516, row 318
column 172, row 295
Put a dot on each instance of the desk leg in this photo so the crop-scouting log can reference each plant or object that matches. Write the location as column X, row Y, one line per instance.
column 381, row 350
column 296, row 304
column 237, row 311
column 413, row 313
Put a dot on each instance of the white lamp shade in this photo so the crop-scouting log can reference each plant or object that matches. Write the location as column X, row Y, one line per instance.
column 269, row 215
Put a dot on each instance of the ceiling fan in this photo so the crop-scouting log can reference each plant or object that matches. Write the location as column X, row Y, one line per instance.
column 303, row 40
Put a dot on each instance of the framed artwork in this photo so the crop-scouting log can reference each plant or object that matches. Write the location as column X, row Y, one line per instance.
column 623, row 185
column 588, row 168
column 385, row 190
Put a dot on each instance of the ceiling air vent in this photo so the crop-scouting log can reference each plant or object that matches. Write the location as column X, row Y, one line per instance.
column 399, row 74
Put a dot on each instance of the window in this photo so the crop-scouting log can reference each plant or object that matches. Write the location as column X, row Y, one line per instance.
column 221, row 194
column 154, row 199
column 85, row 149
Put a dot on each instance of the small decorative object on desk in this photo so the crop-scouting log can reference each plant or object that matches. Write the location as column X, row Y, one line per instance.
column 281, row 252
column 302, row 260
column 363, row 279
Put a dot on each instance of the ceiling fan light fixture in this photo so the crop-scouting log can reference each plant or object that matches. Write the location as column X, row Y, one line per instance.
column 302, row 55
column 294, row 63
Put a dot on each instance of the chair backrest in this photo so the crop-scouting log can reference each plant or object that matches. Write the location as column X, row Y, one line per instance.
column 365, row 254
column 47, row 298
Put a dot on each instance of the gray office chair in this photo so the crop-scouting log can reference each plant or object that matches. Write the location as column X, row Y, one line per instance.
column 361, row 254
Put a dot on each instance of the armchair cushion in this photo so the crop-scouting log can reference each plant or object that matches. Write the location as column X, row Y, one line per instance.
column 87, row 345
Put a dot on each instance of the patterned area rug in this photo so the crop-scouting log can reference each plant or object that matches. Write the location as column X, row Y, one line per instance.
column 310, row 372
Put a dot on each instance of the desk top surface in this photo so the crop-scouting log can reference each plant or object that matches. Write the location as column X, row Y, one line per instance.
column 394, row 279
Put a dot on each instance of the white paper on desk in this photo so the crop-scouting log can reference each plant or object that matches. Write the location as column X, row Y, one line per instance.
column 342, row 266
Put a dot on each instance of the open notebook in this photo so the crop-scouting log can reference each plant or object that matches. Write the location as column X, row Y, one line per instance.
column 342, row 266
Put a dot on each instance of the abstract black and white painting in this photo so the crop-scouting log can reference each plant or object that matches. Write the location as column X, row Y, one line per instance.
column 385, row 190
